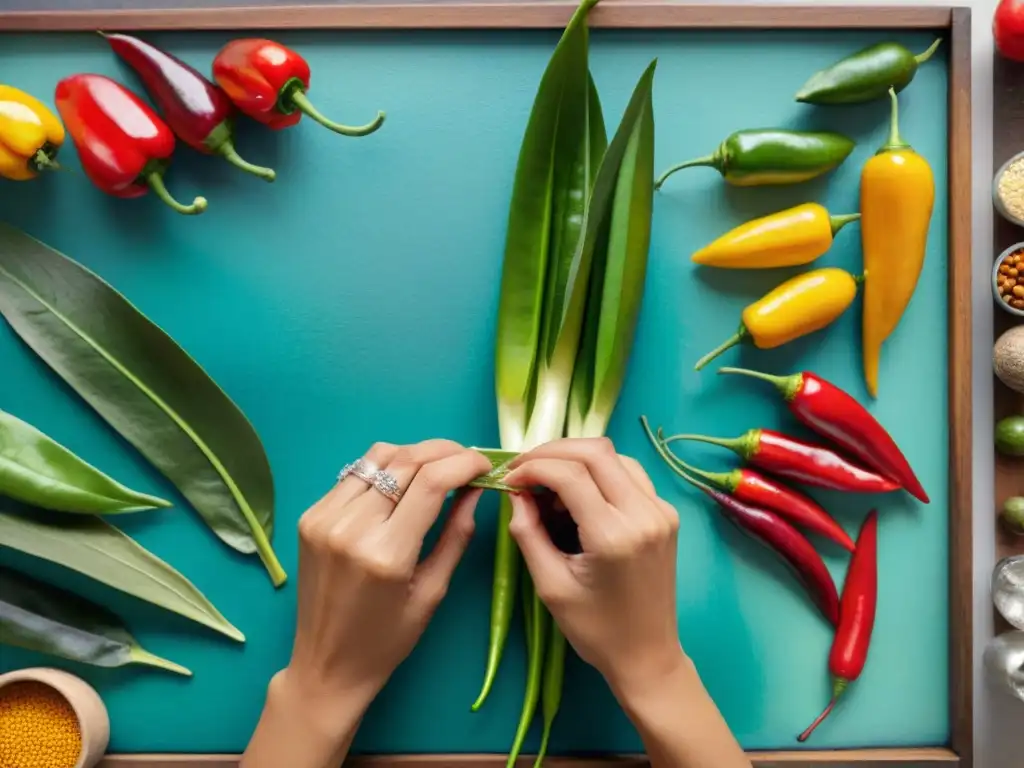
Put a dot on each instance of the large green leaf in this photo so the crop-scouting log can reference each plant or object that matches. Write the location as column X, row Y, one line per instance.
column 41, row 617
column 145, row 386
column 547, row 169
column 94, row 548
column 617, row 243
column 37, row 470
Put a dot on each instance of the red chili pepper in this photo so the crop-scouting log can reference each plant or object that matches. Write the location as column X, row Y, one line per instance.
column 754, row 488
column 199, row 113
column 835, row 414
column 268, row 82
column 777, row 534
column 803, row 462
column 124, row 147
column 853, row 636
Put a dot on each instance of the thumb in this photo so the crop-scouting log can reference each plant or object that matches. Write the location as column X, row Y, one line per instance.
column 548, row 566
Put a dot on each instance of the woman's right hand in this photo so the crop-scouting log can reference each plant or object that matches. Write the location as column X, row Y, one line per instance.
column 616, row 601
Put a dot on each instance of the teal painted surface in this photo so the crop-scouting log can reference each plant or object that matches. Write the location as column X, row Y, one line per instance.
column 354, row 300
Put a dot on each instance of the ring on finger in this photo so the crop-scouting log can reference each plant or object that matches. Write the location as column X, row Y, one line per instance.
column 361, row 469
column 387, row 484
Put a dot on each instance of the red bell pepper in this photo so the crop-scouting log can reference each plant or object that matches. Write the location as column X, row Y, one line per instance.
column 124, row 147
column 268, row 82
column 835, row 414
column 857, row 618
column 1008, row 29
column 199, row 113
column 801, row 462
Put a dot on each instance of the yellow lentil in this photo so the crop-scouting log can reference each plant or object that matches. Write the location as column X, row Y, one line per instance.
column 38, row 728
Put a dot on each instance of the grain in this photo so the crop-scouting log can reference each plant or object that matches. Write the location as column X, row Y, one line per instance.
column 38, row 728
column 1011, row 189
column 1010, row 281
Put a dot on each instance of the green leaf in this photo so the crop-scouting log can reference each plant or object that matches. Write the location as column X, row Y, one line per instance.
column 96, row 549
column 43, row 618
column 37, row 470
column 543, row 177
column 145, row 386
column 618, row 241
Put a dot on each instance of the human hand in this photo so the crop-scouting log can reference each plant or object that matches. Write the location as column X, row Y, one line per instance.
column 616, row 601
column 364, row 597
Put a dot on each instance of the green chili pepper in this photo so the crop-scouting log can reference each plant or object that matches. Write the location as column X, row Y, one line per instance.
column 772, row 156
column 536, row 624
column 865, row 75
column 551, row 693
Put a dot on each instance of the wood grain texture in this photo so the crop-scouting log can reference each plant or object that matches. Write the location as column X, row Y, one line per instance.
column 863, row 758
column 961, row 568
column 635, row 14
column 1007, row 140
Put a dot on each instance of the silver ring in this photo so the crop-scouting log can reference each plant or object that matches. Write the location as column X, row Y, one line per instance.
column 387, row 484
column 359, row 468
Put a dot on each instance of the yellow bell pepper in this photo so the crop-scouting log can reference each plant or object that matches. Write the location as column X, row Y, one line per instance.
column 794, row 236
column 30, row 135
column 801, row 305
column 897, row 192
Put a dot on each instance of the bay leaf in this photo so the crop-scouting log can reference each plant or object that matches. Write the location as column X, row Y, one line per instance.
column 37, row 470
column 41, row 617
column 145, row 386
column 90, row 545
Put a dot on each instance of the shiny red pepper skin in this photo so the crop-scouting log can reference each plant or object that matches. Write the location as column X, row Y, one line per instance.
column 835, row 414
column 199, row 113
column 857, row 617
column 802, row 462
column 123, row 146
column 268, row 82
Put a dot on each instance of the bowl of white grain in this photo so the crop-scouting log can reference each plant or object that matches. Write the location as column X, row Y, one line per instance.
column 1008, row 190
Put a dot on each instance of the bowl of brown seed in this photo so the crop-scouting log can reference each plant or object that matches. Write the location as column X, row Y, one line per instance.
column 1008, row 280
column 1008, row 190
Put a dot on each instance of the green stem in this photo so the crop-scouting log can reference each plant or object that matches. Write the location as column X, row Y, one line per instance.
column 301, row 101
column 140, row 656
column 535, row 647
column 839, row 685
column 43, row 162
column 707, row 160
column 667, row 455
column 155, row 181
column 228, row 152
column 838, row 222
column 503, row 597
column 724, row 480
column 729, row 343
column 921, row 58
column 788, row 386
column 895, row 141
column 744, row 446
column 554, row 677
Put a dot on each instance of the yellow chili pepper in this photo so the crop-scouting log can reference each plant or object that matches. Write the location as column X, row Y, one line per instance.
column 897, row 192
column 794, row 236
column 801, row 305
column 30, row 135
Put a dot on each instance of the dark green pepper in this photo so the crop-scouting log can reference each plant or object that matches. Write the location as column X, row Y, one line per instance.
column 865, row 75
column 772, row 156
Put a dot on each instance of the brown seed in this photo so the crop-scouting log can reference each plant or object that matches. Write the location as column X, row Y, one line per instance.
column 1013, row 272
column 1018, row 291
column 1015, row 258
column 1004, row 268
column 1001, row 281
column 1007, row 298
column 1017, row 303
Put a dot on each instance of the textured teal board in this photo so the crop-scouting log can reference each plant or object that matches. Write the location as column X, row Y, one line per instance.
column 354, row 300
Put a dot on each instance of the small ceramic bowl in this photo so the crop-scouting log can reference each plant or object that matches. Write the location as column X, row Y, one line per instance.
column 996, row 200
column 93, row 720
column 995, row 278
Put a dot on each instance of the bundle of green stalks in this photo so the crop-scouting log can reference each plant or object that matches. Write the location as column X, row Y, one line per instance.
column 572, row 284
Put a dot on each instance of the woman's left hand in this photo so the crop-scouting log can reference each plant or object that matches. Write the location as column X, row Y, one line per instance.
column 365, row 597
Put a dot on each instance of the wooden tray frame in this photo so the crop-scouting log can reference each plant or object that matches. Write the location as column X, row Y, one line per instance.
column 645, row 14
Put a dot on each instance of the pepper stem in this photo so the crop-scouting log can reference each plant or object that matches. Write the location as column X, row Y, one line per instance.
column 921, row 58
column 43, row 162
column 227, row 150
column 744, row 446
column 895, row 140
column 707, row 160
column 788, row 386
column 838, row 222
column 155, row 181
column 838, row 687
column 729, row 343
column 301, row 101
column 724, row 480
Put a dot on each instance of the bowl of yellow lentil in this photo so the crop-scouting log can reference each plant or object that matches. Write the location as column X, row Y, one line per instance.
column 50, row 719
column 1008, row 280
